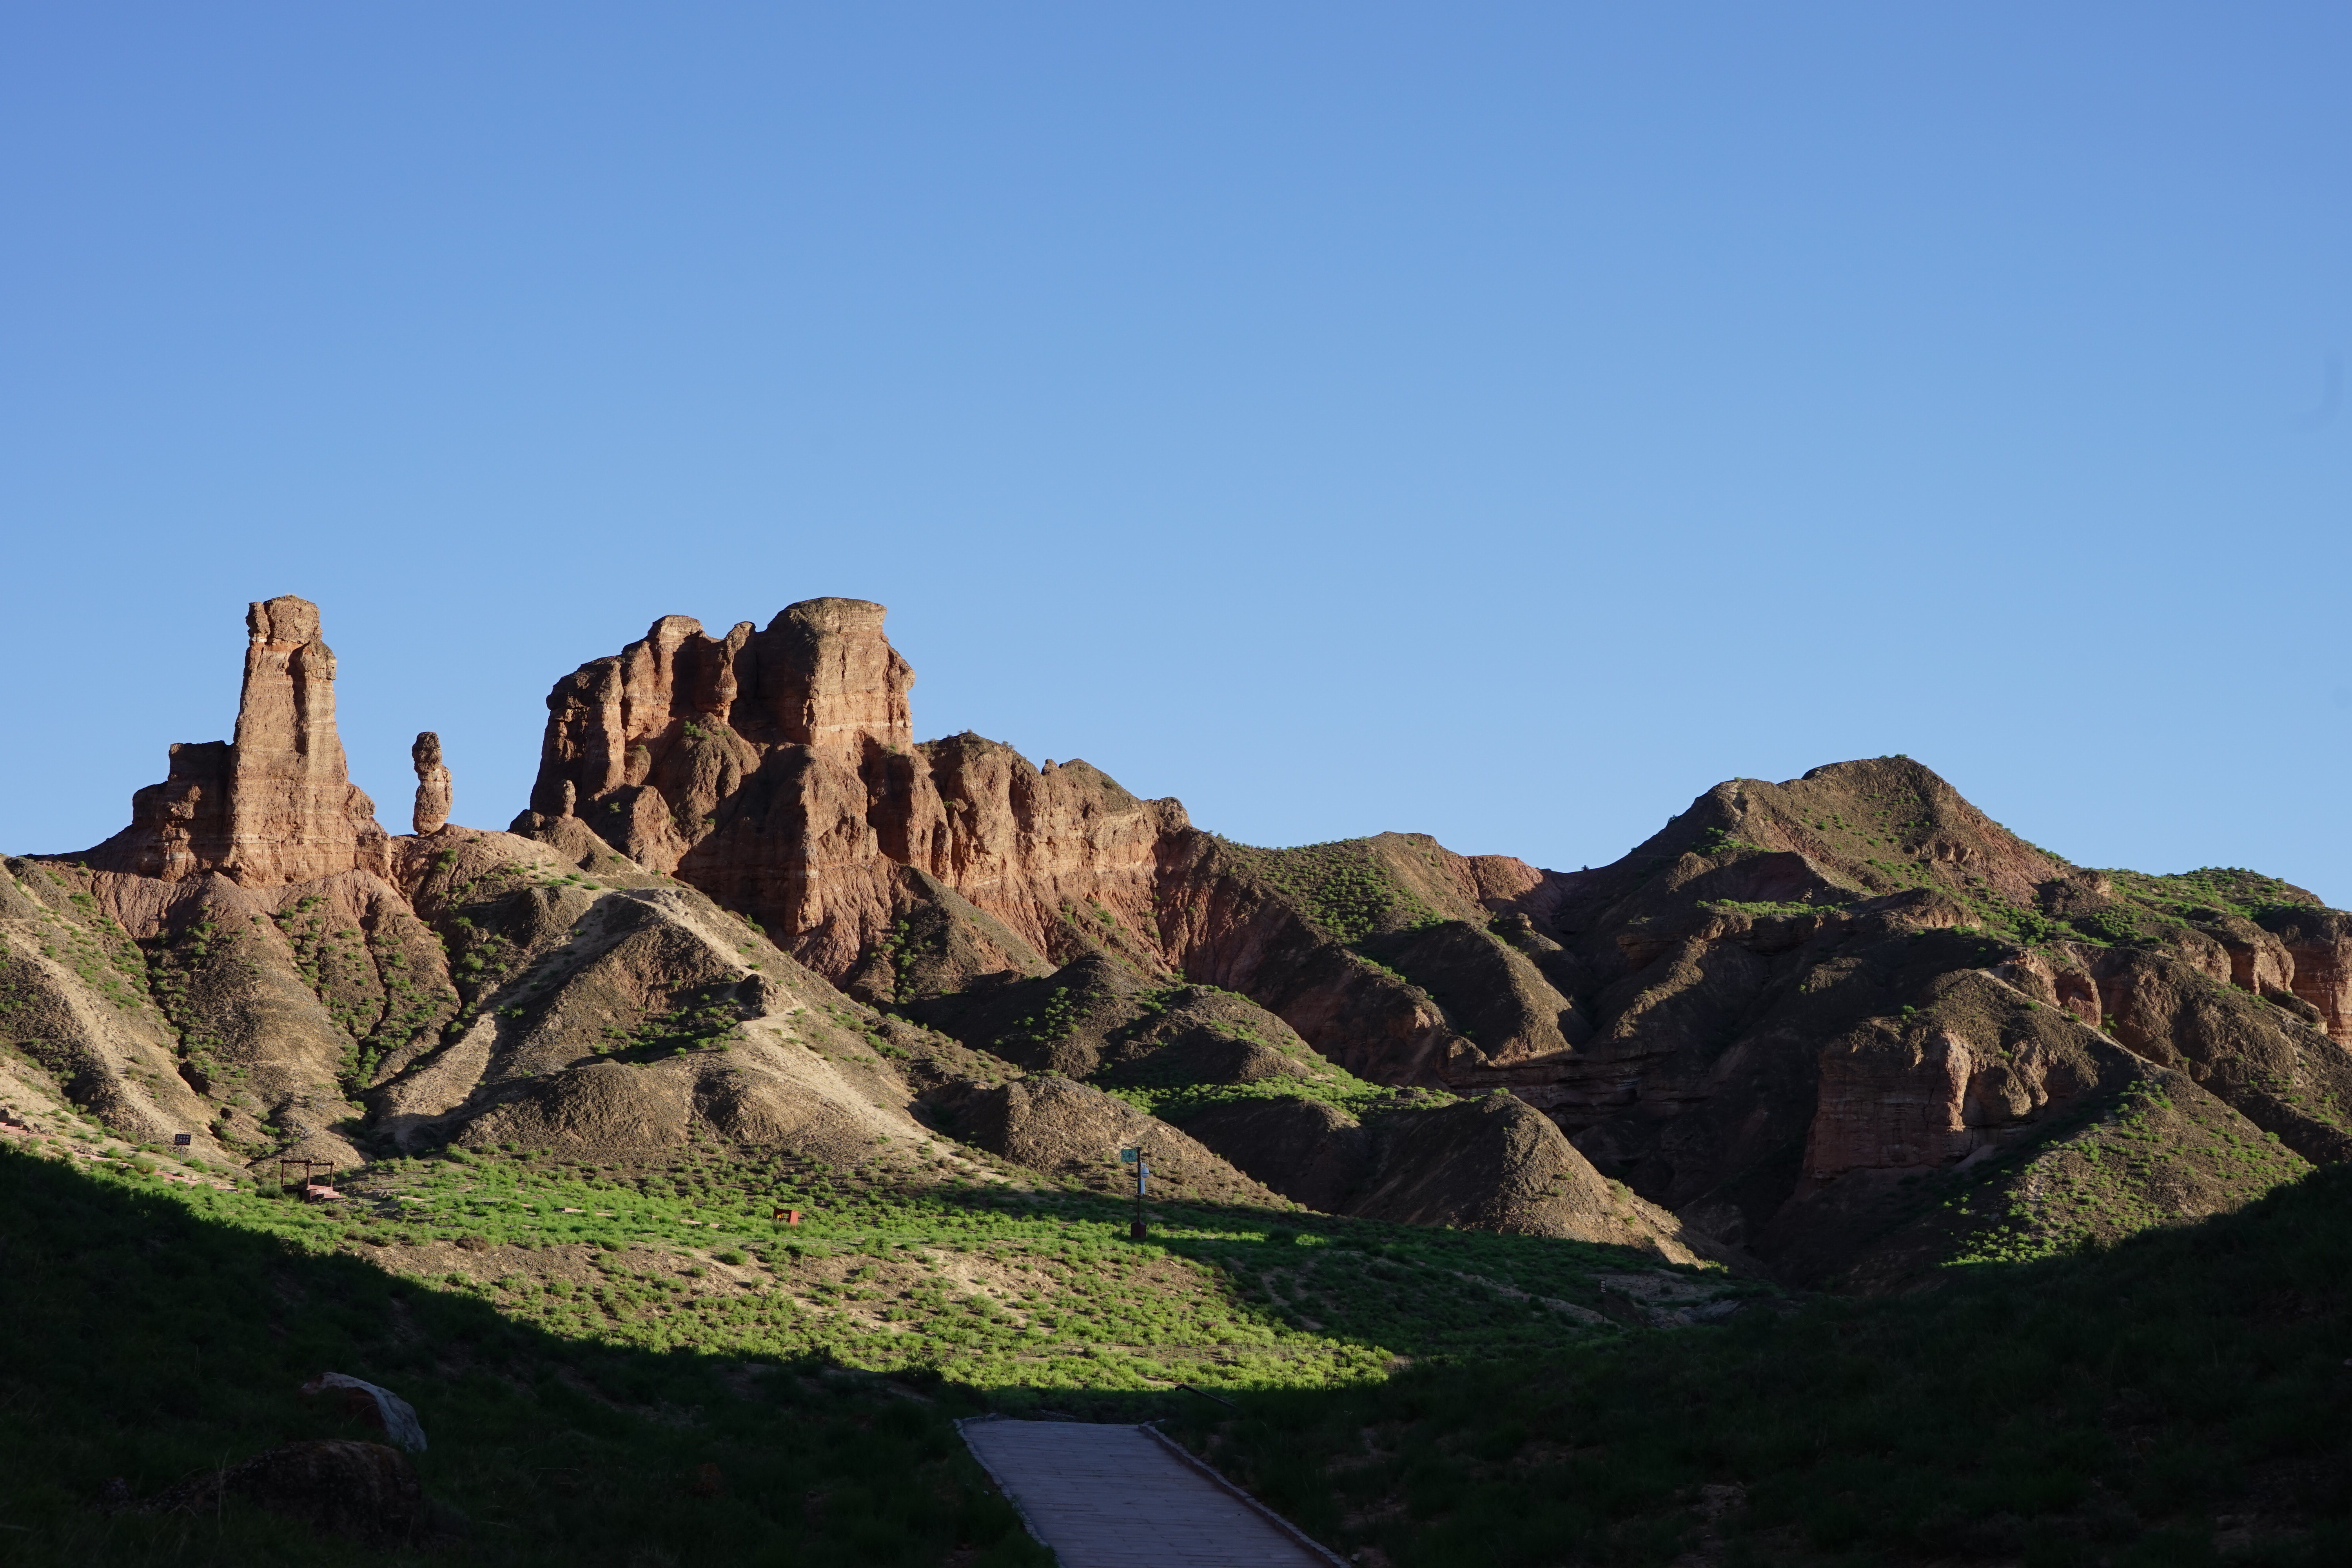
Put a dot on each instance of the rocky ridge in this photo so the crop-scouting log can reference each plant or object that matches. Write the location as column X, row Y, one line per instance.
column 1775, row 1020
column 350, row 995
column 1845, row 1023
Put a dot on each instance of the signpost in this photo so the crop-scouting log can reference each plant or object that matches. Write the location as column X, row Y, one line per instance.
column 1141, row 1161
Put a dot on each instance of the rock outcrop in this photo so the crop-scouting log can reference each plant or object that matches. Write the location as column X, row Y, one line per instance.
column 432, row 811
column 1844, row 1022
column 274, row 807
column 254, row 963
column 2317, row 944
column 1707, row 1020
column 777, row 771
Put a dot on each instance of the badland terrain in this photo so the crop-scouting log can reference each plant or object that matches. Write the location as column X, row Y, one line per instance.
column 1843, row 1033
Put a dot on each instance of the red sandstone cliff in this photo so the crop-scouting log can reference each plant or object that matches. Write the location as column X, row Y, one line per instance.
column 777, row 771
column 274, row 807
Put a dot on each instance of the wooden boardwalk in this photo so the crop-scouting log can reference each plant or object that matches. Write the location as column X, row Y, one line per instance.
column 1124, row 1496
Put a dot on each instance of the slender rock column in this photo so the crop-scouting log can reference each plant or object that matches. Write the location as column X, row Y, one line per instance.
column 274, row 807
column 431, row 784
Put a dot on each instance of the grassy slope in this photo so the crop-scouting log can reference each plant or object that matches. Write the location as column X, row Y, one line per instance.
column 1004, row 1288
column 1345, row 887
column 2183, row 1396
column 149, row 1340
column 574, row 1369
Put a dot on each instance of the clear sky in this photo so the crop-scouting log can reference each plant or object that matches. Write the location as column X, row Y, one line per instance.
column 1500, row 421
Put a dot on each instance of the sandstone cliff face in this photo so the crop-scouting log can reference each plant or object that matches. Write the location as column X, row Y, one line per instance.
column 254, row 963
column 251, row 890
column 777, row 771
column 2317, row 962
column 274, row 807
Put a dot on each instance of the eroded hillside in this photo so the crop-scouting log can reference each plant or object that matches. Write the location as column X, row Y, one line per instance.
column 1843, row 1028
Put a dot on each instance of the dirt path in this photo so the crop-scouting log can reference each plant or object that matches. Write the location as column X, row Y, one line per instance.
column 1124, row 1496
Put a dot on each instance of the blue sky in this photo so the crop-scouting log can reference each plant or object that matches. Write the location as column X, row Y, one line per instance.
column 1495, row 421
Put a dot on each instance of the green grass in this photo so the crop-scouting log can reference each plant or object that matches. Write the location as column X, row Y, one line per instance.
column 1718, row 841
column 2115, row 1407
column 1054, row 1019
column 2231, row 888
column 1442, row 1397
column 1768, row 909
column 2097, row 1183
column 1172, row 1093
column 574, row 1369
column 1175, row 1102
column 996, row 1289
column 1341, row 887
column 150, row 1339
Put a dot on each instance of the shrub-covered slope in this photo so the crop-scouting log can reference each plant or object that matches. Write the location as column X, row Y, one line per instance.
column 1847, row 1023
column 2182, row 1398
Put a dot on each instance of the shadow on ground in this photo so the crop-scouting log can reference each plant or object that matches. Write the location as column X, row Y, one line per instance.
column 146, row 1345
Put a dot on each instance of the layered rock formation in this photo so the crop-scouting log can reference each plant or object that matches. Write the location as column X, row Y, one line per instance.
column 1798, row 1002
column 274, row 807
column 777, row 771
column 250, row 898
column 432, row 810
column 254, row 963
column 1821, row 985
column 1846, row 1022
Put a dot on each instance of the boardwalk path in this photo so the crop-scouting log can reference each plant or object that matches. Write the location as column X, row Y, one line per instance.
column 1123, row 1497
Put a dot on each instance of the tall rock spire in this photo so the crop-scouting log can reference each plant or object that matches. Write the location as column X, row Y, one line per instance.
column 432, row 811
column 277, row 804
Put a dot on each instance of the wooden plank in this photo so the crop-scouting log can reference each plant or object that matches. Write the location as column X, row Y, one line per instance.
column 1113, row 1497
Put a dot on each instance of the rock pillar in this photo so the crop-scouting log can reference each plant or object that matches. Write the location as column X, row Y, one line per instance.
column 274, row 807
column 431, row 784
